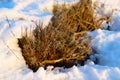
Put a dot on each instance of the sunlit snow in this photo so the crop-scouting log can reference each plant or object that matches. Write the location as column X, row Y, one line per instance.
column 16, row 15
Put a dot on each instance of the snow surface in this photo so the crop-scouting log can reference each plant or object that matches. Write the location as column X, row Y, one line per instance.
column 16, row 15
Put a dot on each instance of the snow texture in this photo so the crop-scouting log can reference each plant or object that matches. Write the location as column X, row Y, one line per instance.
column 16, row 15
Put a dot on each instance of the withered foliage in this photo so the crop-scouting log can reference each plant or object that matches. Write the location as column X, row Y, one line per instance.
column 64, row 42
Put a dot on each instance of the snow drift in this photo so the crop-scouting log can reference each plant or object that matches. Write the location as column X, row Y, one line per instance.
column 23, row 13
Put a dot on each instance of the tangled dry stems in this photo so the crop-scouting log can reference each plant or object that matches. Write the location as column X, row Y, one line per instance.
column 64, row 42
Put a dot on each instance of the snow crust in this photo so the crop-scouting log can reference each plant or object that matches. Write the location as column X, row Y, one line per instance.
column 16, row 15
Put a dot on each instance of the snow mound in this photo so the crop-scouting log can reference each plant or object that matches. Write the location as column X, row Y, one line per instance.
column 107, row 44
column 16, row 15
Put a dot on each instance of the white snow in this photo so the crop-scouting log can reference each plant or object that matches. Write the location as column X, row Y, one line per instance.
column 16, row 15
column 107, row 43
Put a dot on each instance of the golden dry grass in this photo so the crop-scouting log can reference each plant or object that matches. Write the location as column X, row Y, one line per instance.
column 64, row 42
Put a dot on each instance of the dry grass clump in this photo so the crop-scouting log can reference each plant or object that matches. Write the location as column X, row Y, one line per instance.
column 53, row 47
column 64, row 42
column 78, row 17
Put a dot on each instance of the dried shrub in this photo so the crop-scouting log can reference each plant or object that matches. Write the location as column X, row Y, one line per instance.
column 78, row 17
column 64, row 42
column 57, row 48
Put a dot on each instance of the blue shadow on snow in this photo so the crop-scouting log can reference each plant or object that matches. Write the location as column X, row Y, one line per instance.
column 6, row 4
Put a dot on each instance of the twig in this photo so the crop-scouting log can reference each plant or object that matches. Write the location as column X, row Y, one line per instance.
column 13, row 34
column 12, row 52
column 8, row 21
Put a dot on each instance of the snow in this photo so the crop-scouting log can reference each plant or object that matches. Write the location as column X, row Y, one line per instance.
column 107, row 43
column 16, row 15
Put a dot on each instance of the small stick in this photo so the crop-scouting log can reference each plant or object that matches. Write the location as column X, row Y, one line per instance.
column 12, row 52
column 13, row 34
column 8, row 21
